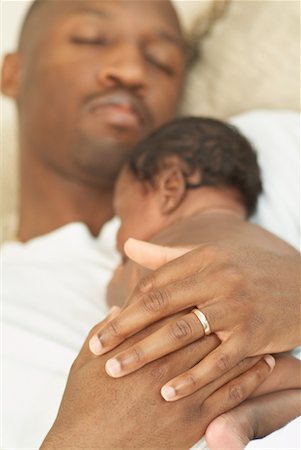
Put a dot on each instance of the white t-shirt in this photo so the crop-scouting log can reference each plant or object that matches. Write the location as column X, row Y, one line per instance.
column 53, row 288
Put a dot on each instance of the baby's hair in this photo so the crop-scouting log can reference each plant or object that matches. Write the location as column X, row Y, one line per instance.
column 217, row 151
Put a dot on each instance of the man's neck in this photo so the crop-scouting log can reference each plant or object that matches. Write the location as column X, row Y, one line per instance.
column 49, row 201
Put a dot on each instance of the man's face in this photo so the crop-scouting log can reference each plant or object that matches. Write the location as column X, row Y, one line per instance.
column 137, row 206
column 97, row 77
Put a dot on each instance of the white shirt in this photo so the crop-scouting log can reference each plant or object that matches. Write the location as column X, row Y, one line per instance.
column 53, row 288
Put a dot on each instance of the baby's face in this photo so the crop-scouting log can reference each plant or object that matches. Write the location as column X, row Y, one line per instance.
column 136, row 205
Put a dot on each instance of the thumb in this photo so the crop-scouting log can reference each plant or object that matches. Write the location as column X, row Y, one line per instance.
column 152, row 256
column 230, row 430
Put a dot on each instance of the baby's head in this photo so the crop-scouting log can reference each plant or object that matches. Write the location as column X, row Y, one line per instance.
column 167, row 175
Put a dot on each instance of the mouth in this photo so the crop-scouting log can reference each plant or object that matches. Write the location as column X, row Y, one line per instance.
column 120, row 109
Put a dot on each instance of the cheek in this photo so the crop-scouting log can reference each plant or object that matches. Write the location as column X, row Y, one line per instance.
column 164, row 102
column 165, row 94
column 60, row 70
column 138, row 225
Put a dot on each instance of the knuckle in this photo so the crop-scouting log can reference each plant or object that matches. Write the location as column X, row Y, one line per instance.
column 223, row 363
column 159, row 372
column 234, row 277
column 236, row 392
column 260, row 372
column 156, row 300
column 146, row 283
column 112, row 328
column 256, row 321
column 180, row 330
column 138, row 355
column 190, row 381
column 212, row 251
column 244, row 364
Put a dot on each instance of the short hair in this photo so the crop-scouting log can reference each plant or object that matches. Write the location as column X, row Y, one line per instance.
column 221, row 154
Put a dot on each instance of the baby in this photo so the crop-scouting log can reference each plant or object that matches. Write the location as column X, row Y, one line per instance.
column 196, row 180
column 193, row 181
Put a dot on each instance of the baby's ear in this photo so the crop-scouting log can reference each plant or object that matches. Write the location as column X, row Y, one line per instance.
column 171, row 188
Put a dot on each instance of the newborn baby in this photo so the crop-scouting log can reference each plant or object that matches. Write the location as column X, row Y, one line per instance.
column 195, row 181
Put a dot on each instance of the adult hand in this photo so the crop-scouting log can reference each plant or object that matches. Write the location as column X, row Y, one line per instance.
column 250, row 296
column 100, row 412
column 276, row 402
column 255, row 418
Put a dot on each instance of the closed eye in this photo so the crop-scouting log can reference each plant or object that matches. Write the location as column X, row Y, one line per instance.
column 89, row 41
column 160, row 65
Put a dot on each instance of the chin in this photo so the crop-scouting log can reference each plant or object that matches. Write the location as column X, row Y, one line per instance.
column 106, row 135
column 100, row 164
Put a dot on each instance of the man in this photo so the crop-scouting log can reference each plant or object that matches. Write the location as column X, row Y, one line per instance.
column 112, row 98
column 90, row 80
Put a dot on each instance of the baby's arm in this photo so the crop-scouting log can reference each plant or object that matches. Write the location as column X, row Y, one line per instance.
column 275, row 403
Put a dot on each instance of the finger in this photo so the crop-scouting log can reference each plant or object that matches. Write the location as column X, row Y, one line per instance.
column 236, row 391
column 163, row 302
column 226, row 356
column 152, row 256
column 232, row 430
column 93, row 343
column 254, row 418
column 174, row 263
column 176, row 334
column 240, row 368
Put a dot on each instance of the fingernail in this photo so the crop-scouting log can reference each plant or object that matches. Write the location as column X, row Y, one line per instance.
column 95, row 345
column 113, row 367
column 168, row 393
column 270, row 361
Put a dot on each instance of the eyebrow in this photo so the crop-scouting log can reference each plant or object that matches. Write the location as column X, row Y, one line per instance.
column 93, row 11
column 171, row 39
column 165, row 35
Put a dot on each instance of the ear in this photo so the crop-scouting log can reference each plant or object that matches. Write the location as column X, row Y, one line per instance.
column 10, row 76
column 171, row 188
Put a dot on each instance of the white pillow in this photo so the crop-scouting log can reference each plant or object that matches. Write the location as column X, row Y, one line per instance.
column 276, row 138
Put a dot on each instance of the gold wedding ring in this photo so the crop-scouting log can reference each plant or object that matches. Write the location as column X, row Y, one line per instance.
column 202, row 318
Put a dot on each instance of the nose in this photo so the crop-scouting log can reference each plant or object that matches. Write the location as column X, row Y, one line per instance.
column 124, row 66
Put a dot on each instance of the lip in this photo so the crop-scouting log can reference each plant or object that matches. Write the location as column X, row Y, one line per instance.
column 120, row 108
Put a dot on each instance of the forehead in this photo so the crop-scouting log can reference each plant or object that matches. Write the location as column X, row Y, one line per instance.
column 146, row 13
